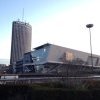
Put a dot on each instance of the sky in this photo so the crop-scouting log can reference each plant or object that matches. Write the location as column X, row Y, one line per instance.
column 59, row 22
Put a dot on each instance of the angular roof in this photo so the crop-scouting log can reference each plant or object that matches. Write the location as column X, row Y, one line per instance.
column 44, row 45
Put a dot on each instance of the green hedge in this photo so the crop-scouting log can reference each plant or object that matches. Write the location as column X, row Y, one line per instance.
column 46, row 92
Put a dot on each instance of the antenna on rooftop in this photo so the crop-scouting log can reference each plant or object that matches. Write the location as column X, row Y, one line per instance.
column 23, row 15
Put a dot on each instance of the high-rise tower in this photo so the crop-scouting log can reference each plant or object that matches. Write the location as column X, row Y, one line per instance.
column 21, row 40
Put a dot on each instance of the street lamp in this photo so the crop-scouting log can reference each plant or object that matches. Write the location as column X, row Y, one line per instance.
column 90, row 26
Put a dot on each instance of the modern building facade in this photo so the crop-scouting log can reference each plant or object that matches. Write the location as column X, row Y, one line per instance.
column 21, row 40
column 52, row 58
column 49, row 53
column 25, row 65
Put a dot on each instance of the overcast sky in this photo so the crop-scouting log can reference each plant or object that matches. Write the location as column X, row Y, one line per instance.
column 60, row 22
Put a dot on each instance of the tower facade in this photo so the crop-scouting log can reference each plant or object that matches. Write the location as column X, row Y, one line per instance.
column 21, row 40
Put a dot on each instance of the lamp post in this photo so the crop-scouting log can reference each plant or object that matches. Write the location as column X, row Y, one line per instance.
column 89, row 26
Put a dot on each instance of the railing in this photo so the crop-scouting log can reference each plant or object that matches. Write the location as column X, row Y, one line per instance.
column 47, row 79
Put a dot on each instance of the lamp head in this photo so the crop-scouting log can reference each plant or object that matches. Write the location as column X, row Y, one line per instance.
column 89, row 25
